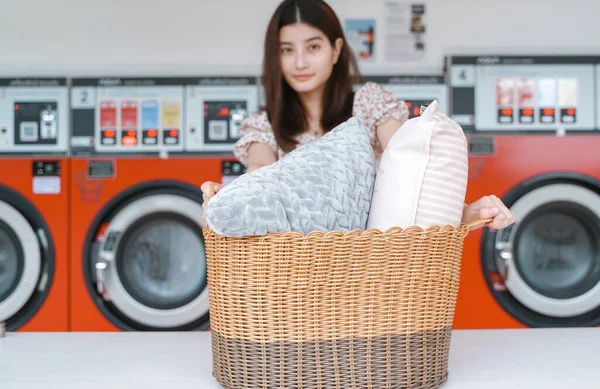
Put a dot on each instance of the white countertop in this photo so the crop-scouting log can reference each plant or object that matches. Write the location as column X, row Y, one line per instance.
column 482, row 359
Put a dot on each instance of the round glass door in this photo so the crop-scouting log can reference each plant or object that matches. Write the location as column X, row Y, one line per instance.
column 152, row 264
column 549, row 259
column 20, row 261
column 159, row 264
column 11, row 261
column 557, row 251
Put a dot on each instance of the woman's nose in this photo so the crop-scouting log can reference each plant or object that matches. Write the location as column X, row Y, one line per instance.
column 301, row 61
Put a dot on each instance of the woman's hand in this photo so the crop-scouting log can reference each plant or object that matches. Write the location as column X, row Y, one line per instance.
column 205, row 188
column 486, row 207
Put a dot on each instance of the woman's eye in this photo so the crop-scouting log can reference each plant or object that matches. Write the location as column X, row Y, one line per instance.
column 313, row 47
column 286, row 50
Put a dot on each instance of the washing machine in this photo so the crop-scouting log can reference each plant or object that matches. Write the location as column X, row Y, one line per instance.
column 415, row 90
column 142, row 147
column 34, row 197
column 533, row 130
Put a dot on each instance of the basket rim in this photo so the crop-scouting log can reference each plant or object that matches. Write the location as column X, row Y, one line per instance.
column 371, row 232
column 461, row 228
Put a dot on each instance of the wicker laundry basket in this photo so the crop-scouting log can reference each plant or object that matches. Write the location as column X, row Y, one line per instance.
column 364, row 309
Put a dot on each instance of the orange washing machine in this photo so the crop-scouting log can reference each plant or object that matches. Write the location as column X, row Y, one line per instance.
column 34, row 204
column 415, row 90
column 142, row 147
column 534, row 133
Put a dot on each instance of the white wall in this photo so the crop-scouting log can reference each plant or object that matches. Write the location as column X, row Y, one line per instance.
column 130, row 37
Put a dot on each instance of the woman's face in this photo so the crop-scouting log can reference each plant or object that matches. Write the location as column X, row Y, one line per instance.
column 306, row 56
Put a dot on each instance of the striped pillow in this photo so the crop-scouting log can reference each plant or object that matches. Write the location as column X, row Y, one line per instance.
column 422, row 176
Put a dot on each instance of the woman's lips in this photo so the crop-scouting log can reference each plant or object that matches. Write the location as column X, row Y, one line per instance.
column 303, row 77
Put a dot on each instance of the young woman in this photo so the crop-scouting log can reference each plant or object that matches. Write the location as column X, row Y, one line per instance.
column 308, row 77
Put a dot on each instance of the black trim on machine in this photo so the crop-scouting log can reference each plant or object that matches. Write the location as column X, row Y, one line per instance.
column 489, row 59
column 33, row 82
column 113, row 82
column 417, row 79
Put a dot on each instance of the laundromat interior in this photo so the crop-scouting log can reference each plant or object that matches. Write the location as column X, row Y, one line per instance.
column 114, row 114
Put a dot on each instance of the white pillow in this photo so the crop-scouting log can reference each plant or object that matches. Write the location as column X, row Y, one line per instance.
column 422, row 176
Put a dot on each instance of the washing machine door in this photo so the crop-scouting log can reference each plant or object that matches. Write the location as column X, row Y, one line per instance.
column 26, row 261
column 547, row 265
column 152, row 263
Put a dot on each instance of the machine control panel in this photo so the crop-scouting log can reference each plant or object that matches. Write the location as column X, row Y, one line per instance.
column 223, row 120
column 416, row 90
column 46, row 168
column 231, row 170
column 215, row 109
column 146, row 116
column 34, row 116
column 520, row 93
column 126, row 115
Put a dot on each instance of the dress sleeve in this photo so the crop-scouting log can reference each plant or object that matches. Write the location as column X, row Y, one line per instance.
column 376, row 104
column 255, row 128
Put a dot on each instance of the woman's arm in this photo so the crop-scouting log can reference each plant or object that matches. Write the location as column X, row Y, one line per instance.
column 259, row 155
column 386, row 131
column 382, row 113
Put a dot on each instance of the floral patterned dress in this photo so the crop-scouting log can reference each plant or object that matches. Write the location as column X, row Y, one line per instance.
column 372, row 102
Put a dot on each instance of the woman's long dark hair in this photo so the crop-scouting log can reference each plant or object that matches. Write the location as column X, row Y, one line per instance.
column 283, row 106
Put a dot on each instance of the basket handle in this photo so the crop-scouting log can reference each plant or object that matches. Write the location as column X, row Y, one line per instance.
column 209, row 195
column 478, row 222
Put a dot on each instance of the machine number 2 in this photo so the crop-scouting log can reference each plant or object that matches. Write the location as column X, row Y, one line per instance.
column 83, row 97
